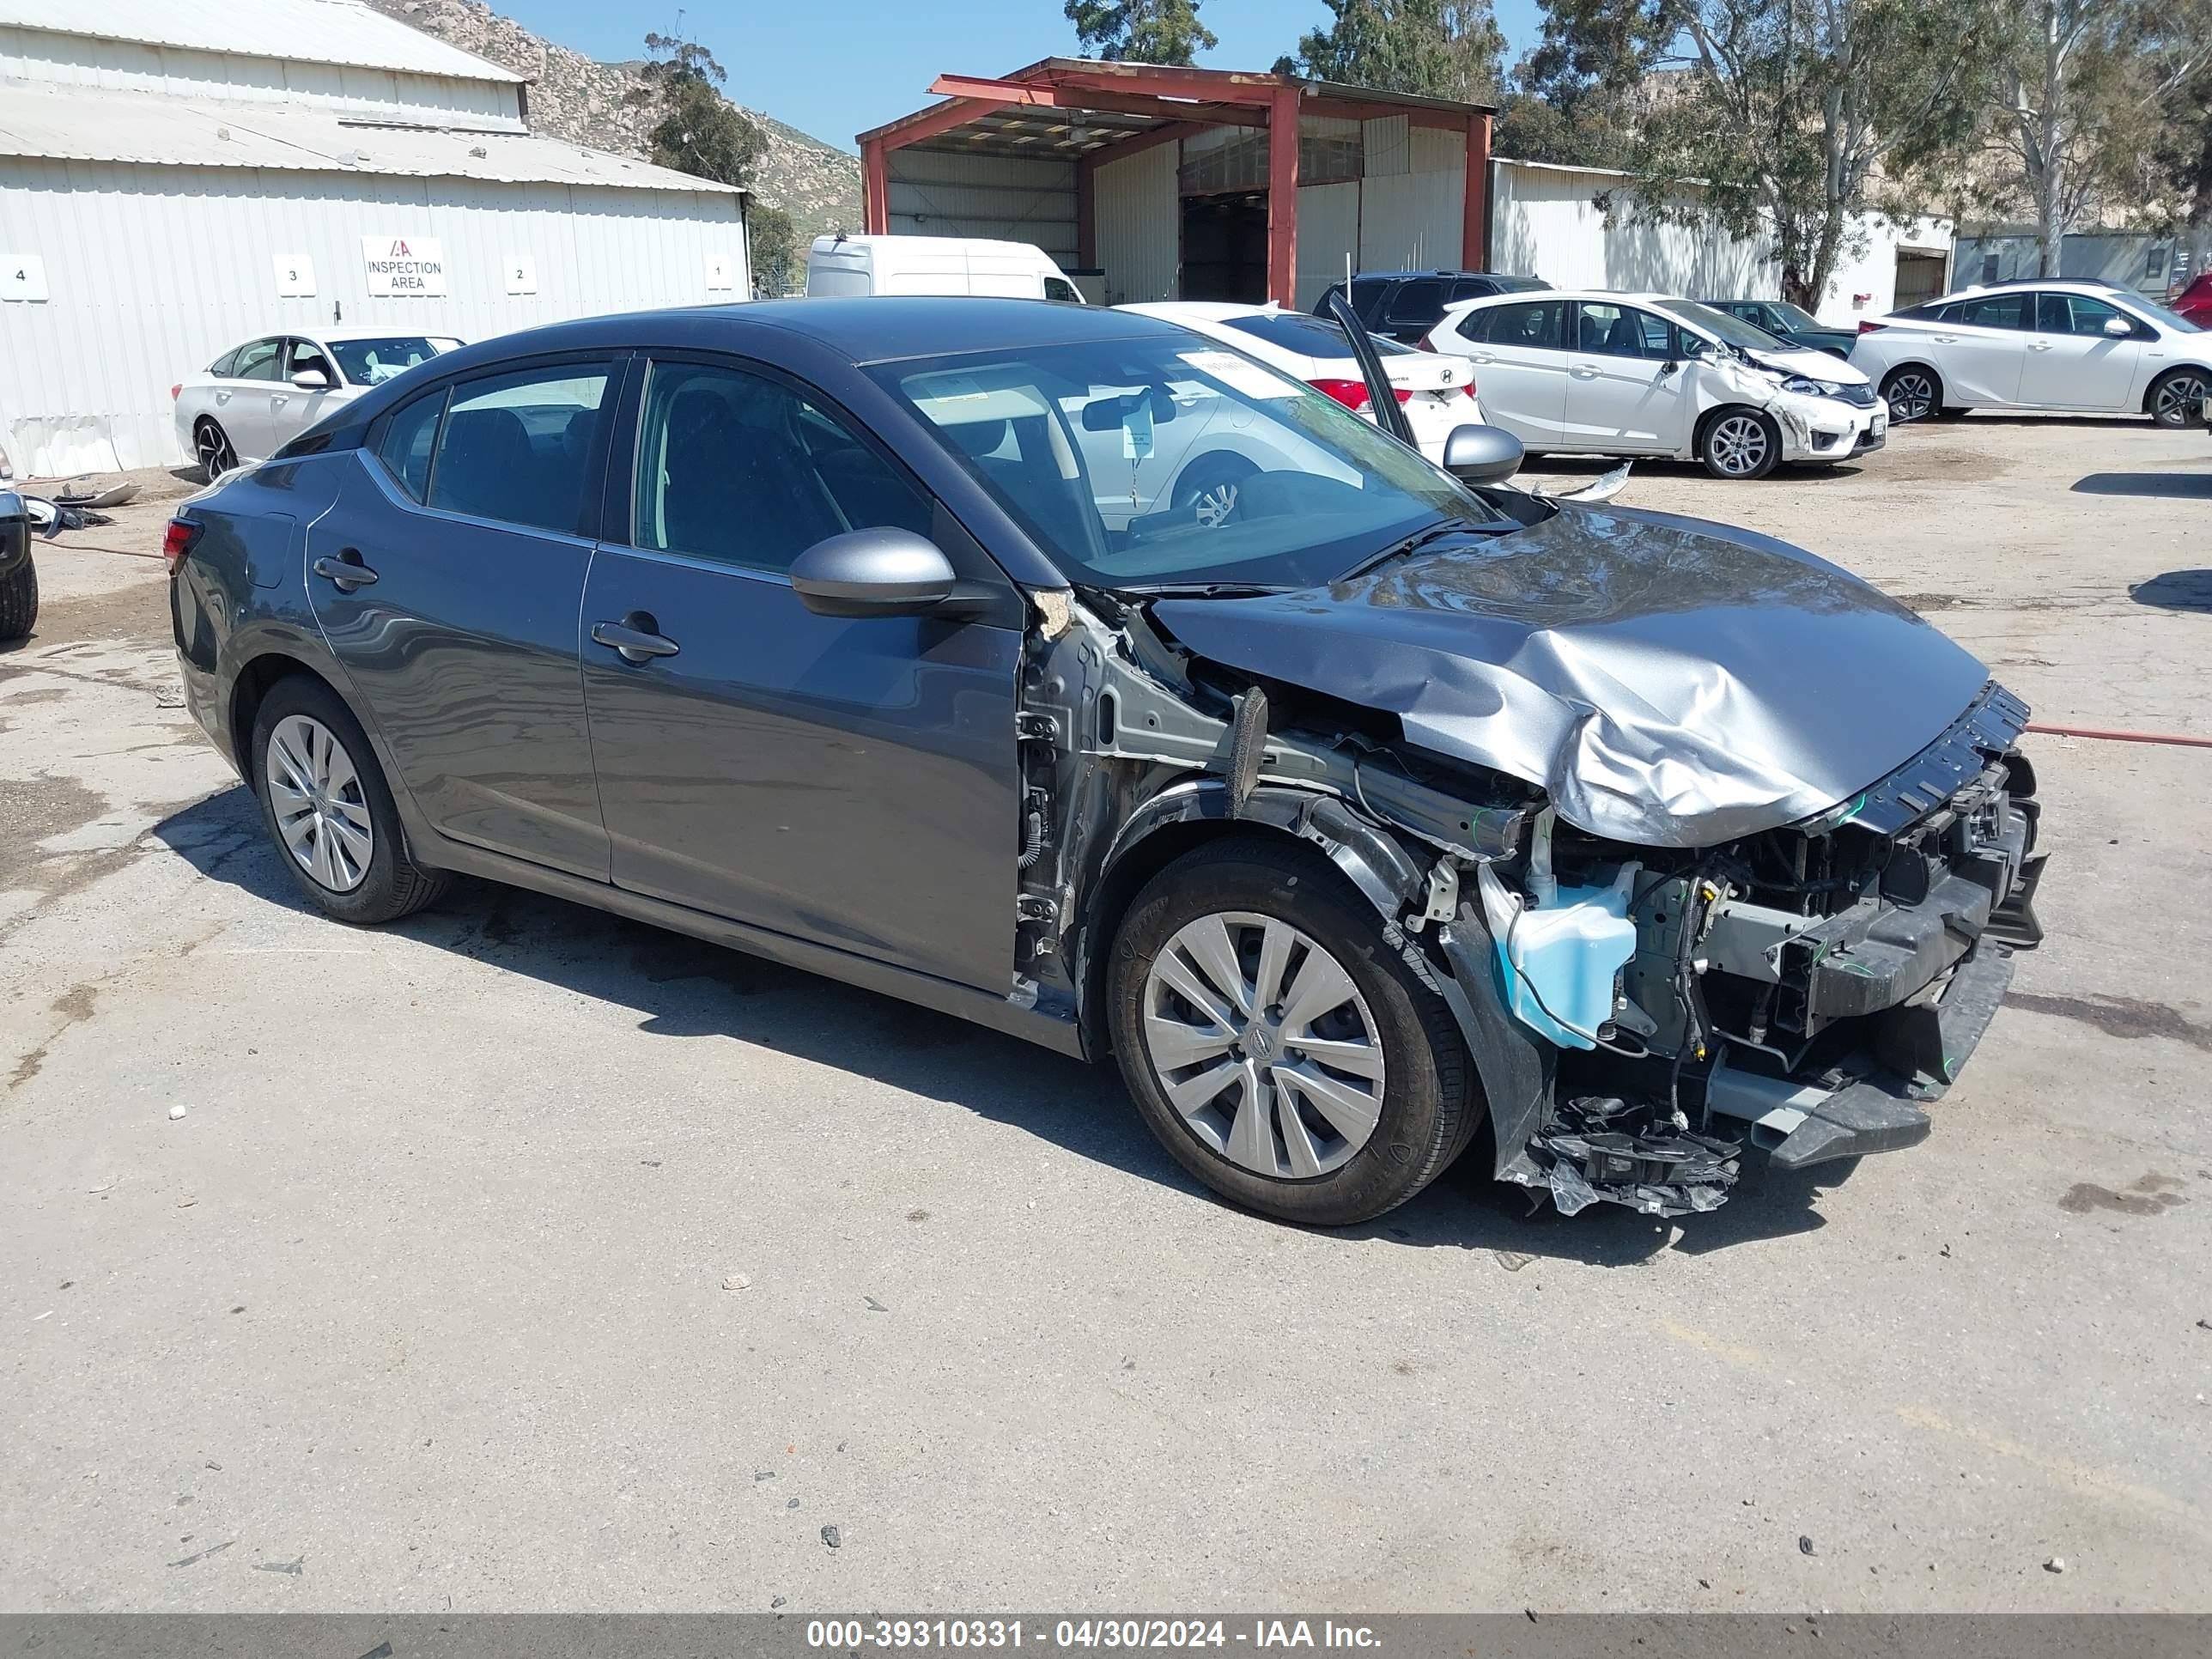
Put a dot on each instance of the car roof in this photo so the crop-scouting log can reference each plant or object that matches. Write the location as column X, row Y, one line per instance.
column 1216, row 311
column 2090, row 284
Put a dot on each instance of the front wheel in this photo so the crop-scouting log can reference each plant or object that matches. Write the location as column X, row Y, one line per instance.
column 18, row 600
column 1276, row 1042
column 328, row 810
column 2177, row 397
column 1740, row 443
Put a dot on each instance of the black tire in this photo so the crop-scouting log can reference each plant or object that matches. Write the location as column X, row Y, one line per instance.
column 1740, row 444
column 18, row 600
column 1219, row 476
column 1913, row 392
column 2175, row 398
column 213, row 447
column 1429, row 1105
column 392, row 884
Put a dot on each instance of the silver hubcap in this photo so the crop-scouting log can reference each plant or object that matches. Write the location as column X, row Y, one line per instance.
column 316, row 796
column 1738, row 445
column 1215, row 504
column 1911, row 397
column 1263, row 1045
column 2179, row 398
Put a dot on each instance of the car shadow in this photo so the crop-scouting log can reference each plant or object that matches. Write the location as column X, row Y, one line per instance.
column 680, row 986
column 1567, row 473
column 2180, row 486
column 2175, row 590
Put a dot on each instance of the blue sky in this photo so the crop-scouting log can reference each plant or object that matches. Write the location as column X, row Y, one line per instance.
column 834, row 66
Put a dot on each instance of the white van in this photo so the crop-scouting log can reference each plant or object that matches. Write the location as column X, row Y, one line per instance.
column 935, row 264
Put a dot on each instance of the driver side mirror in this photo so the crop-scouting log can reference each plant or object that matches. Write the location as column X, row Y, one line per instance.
column 2119, row 327
column 1482, row 454
column 875, row 573
column 311, row 379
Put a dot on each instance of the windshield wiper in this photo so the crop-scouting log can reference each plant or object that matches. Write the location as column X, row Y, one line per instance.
column 1200, row 590
column 1421, row 539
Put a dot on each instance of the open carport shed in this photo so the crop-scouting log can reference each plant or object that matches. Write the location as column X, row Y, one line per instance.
column 1189, row 183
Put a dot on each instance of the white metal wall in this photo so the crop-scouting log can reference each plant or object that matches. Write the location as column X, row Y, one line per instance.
column 1329, row 234
column 39, row 55
column 1138, row 221
column 1410, row 217
column 1013, row 198
column 153, row 272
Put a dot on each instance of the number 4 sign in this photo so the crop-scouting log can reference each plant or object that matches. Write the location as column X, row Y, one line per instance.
column 23, row 277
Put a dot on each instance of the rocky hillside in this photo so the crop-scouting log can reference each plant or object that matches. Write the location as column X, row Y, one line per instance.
column 573, row 97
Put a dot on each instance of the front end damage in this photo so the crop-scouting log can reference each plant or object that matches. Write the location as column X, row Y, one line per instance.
column 1641, row 1017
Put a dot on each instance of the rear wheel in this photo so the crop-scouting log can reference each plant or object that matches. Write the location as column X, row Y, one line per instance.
column 211, row 448
column 1276, row 1042
column 18, row 600
column 2177, row 397
column 328, row 810
column 1913, row 393
column 1740, row 443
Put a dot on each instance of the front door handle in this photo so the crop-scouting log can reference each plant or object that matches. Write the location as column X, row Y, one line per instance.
column 1480, row 357
column 2039, row 346
column 635, row 639
column 346, row 570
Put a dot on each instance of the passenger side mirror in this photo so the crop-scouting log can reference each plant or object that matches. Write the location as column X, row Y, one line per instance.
column 2119, row 327
column 311, row 379
column 1482, row 454
column 873, row 573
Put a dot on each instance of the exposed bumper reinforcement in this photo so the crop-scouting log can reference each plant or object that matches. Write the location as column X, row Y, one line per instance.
column 1798, row 1124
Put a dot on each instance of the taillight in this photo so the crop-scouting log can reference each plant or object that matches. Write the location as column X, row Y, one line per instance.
column 1872, row 328
column 176, row 391
column 177, row 541
column 1352, row 394
column 1469, row 388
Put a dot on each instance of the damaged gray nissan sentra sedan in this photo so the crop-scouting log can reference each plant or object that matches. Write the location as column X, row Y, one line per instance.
column 1066, row 671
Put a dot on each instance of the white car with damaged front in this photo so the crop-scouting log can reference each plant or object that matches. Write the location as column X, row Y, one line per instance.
column 1593, row 373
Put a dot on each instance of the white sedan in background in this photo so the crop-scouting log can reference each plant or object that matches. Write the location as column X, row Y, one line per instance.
column 1436, row 392
column 1599, row 373
column 2085, row 346
column 252, row 401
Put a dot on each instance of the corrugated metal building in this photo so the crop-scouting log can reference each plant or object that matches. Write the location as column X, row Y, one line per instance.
column 173, row 181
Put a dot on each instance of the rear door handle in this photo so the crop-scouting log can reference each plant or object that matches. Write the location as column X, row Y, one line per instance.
column 346, row 570
column 1944, row 339
column 635, row 638
column 1480, row 357
column 1583, row 372
column 2039, row 346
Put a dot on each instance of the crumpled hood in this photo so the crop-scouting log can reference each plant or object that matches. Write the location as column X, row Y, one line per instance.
column 1668, row 682
column 1813, row 364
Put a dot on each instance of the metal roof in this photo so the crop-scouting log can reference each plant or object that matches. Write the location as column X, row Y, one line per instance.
column 89, row 124
column 309, row 31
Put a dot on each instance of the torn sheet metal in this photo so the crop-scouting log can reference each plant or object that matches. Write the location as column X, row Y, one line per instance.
column 1634, row 1155
column 1668, row 682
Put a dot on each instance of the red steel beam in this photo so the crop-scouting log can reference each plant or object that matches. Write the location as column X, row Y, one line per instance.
column 1474, row 207
column 1159, row 81
column 1282, row 198
column 1023, row 95
column 875, row 187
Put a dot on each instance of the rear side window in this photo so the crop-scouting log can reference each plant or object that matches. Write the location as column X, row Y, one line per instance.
column 408, row 438
column 1997, row 311
column 1367, row 293
column 259, row 361
column 738, row 468
column 1531, row 325
column 517, row 447
column 220, row 368
column 1416, row 304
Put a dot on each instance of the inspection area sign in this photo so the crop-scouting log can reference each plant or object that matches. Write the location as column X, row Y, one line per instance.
column 401, row 266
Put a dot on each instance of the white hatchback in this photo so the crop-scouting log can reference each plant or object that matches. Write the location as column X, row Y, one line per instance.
column 250, row 402
column 1436, row 392
column 1599, row 373
column 2056, row 345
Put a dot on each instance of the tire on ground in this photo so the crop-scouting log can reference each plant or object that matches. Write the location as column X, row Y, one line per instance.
column 1429, row 1095
column 19, row 601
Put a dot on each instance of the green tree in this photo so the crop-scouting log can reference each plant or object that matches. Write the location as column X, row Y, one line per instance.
column 2176, row 43
column 1796, row 117
column 700, row 132
column 1437, row 48
column 775, row 260
column 1577, row 95
column 1140, row 31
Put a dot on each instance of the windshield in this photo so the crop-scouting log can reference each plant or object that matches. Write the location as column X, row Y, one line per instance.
column 372, row 363
column 1793, row 316
column 1309, row 336
column 1175, row 461
column 2165, row 318
column 1730, row 331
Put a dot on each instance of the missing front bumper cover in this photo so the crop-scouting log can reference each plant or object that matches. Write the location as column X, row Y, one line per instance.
column 1627, row 1153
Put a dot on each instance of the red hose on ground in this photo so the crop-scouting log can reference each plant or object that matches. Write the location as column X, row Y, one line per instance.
column 2171, row 739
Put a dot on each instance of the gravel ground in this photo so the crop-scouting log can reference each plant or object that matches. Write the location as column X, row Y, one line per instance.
column 424, row 1303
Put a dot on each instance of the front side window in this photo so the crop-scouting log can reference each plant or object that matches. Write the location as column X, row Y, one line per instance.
column 306, row 355
column 2074, row 313
column 262, row 361
column 517, row 447
column 1610, row 331
column 1092, row 448
column 741, row 470
column 372, row 363
column 410, row 436
column 1058, row 287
